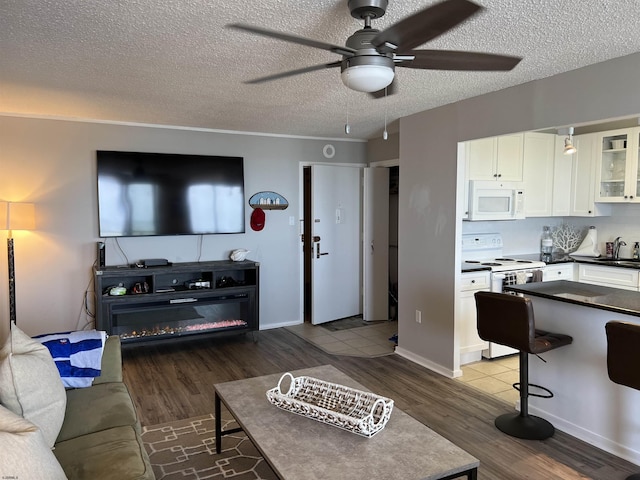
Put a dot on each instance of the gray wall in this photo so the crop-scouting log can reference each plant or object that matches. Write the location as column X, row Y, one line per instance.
column 428, row 246
column 52, row 163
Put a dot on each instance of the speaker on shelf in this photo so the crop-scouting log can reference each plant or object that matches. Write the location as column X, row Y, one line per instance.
column 101, row 255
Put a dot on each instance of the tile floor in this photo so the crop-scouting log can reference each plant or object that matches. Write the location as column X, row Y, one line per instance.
column 494, row 377
column 367, row 341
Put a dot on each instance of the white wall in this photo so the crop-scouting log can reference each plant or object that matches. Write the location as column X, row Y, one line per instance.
column 52, row 163
column 429, row 231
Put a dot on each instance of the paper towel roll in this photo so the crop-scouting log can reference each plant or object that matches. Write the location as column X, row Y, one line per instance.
column 589, row 246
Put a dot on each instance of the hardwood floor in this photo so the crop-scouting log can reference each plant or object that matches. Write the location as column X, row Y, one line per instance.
column 170, row 382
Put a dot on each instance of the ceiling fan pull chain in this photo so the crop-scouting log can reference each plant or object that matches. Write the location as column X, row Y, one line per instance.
column 385, row 134
column 347, row 127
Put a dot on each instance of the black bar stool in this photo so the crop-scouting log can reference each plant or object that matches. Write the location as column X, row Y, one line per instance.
column 623, row 357
column 508, row 320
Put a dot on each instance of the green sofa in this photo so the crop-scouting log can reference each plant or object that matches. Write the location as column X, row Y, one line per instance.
column 49, row 433
column 100, row 436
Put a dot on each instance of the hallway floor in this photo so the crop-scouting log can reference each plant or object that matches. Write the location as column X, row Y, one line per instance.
column 367, row 341
column 494, row 377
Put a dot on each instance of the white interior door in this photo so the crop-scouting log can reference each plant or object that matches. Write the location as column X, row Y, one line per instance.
column 336, row 265
column 375, row 244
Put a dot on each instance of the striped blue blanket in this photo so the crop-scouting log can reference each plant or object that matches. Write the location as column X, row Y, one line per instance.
column 78, row 355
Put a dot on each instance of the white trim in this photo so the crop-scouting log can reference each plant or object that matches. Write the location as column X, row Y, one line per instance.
column 588, row 436
column 394, row 162
column 291, row 323
column 175, row 127
column 434, row 367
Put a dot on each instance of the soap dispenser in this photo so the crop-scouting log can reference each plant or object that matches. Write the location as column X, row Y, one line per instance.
column 636, row 251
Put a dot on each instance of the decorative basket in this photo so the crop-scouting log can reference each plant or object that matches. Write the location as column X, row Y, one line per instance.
column 359, row 412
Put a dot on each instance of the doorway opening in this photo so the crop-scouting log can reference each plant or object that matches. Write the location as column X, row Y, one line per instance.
column 308, row 242
column 394, row 188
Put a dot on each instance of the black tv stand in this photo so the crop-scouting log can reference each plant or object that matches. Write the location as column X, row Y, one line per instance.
column 179, row 301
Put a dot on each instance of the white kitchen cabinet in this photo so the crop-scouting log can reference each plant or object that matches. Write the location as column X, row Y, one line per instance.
column 616, row 277
column 618, row 174
column 558, row 271
column 495, row 158
column 538, row 170
column 583, row 174
column 562, row 170
column 471, row 345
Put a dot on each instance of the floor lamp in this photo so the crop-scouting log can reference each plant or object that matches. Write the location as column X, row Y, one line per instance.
column 15, row 216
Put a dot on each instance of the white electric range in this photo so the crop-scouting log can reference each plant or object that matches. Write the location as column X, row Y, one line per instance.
column 485, row 249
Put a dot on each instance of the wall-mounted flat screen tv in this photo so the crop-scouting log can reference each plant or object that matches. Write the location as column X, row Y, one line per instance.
column 142, row 194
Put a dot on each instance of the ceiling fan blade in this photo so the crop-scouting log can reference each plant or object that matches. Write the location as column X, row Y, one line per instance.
column 390, row 90
column 455, row 60
column 294, row 72
column 425, row 25
column 340, row 50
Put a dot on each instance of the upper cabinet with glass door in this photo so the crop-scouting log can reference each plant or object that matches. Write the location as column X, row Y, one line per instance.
column 618, row 169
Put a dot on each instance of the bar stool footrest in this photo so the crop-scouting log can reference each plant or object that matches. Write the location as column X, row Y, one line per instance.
column 527, row 427
column 549, row 393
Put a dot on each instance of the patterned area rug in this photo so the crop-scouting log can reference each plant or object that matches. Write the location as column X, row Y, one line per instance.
column 186, row 450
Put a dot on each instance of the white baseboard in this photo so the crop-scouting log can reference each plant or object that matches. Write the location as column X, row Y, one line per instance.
column 588, row 436
column 428, row 363
column 280, row 325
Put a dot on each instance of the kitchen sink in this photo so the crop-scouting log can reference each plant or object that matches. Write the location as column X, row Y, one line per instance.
column 623, row 262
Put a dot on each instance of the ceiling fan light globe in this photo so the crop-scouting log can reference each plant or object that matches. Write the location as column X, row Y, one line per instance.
column 367, row 78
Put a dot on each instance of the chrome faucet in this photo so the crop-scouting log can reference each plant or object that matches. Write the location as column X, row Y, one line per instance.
column 617, row 243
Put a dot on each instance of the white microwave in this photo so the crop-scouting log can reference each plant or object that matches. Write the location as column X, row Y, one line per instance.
column 495, row 200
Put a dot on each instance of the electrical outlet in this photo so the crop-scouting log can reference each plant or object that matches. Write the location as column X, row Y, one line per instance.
column 418, row 316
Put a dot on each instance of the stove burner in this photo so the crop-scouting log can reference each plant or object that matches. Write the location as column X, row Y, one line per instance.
column 524, row 261
column 505, row 260
column 472, row 261
column 491, row 264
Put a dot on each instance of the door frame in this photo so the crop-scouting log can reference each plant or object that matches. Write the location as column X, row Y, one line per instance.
column 301, row 167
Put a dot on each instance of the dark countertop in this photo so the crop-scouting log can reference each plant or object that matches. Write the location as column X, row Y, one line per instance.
column 605, row 298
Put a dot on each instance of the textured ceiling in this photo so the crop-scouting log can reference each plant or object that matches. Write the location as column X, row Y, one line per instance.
column 173, row 62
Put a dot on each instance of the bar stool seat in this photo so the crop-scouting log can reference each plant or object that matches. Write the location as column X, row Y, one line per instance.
column 508, row 320
column 623, row 356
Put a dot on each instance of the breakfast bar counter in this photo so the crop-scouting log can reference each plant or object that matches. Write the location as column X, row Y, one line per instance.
column 586, row 404
column 614, row 300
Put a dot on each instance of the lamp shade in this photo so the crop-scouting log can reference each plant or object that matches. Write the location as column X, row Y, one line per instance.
column 4, row 215
column 17, row 216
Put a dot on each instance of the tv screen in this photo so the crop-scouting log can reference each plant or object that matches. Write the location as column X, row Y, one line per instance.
column 141, row 194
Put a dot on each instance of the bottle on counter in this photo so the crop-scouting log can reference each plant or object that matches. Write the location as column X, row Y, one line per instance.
column 636, row 251
column 546, row 241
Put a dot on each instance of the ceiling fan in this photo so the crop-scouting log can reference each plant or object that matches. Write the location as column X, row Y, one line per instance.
column 370, row 56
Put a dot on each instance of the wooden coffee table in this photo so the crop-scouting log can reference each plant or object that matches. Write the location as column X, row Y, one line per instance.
column 298, row 448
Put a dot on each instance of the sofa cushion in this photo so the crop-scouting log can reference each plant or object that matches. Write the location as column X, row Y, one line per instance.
column 112, row 454
column 97, row 408
column 25, row 453
column 30, row 385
